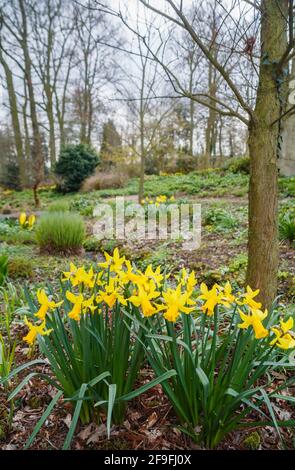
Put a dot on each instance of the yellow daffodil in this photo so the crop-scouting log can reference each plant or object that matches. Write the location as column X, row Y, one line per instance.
column 227, row 293
column 176, row 303
column 79, row 276
column 111, row 294
column 68, row 275
column 45, row 304
column 248, row 298
column 188, row 279
column 77, row 300
column 114, row 263
column 172, row 198
column 88, row 304
column 254, row 319
column 284, row 336
column 22, row 218
column 156, row 275
column 161, row 199
column 212, row 297
column 31, row 220
column 84, row 277
column 142, row 299
column 35, row 330
column 129, row 275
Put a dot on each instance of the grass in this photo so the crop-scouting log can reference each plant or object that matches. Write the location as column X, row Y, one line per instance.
column 61, row 205
column 60, row 232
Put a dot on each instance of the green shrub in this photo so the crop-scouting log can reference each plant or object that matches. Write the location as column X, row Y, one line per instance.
column 59, row 206
column 240, row 165
column 20, row 267
column 61, row 232
column 186, row 163
column 75, row 164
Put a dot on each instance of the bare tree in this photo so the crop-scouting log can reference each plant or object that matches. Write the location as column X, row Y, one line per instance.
column 261, row 34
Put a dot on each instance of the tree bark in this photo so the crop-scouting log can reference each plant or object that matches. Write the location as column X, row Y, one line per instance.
column 263, row 255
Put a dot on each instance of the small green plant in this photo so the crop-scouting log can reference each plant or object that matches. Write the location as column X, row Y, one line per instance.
column 238, row 263
column 220, row 219
column 91, row 244
column 83, row 206
column 3, row 268
column 61, row 232
column 75, row 164
column 7, row 353
column 287, row 226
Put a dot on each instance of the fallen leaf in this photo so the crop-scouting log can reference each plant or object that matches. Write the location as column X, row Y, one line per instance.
column 67, row 420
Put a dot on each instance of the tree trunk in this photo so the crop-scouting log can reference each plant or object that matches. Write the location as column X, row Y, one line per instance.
column 15, row 122
column 37, row 152
column 50, row 116
column 263, row 255
column 142, row 160
column 263, row 207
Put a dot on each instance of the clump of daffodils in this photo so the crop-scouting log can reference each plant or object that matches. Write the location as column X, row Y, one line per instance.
column 158, row 201
column 27, row 222
column 116, row 282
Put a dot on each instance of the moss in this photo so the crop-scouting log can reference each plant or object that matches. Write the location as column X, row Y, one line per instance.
column 20, row 267
column 253, row 441
column 35, row 402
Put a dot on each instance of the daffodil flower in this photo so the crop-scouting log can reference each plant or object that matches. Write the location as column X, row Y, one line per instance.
column 22, row 218
column 142, row 299
column 79, row 276
column 227, row 293
column 248, row 298
column 45, row 304
column 284, row 336
column 156, row 275
column 34, row 331
column 128, row 275
column 68, row 275
column 254, row 320
column 212, row 297
column 188, row 279
column 114, row 263
column 111, row 294
column 77, row 300
column 31, row 220
column 176, row 303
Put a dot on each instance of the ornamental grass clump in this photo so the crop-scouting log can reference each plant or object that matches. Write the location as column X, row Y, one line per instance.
column 60, row 232
column 212, row 350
